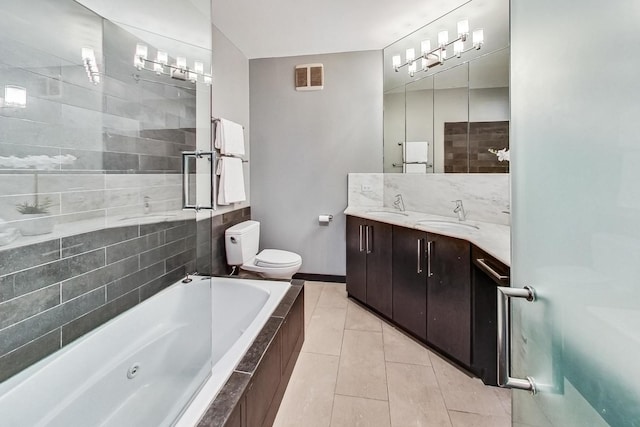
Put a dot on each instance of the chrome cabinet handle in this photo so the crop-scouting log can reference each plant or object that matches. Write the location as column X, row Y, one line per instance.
column 361, row 239
column 504, row 338
column 429, row 251
column 497, row 276
column 419, row 256
column 369, row 239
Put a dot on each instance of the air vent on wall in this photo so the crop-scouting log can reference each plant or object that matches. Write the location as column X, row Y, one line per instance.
column 309, row 77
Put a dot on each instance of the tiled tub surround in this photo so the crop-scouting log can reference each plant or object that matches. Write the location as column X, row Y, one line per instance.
column 493, row 238
column 252, row 395
column 485, row 196
column 53, row 291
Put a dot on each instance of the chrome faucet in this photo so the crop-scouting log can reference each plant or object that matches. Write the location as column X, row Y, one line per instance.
column 398, row 203
column 462, row 215
column 147, row 206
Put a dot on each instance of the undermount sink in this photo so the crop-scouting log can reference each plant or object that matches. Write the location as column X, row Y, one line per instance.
column 387, row 214
column 443, row 224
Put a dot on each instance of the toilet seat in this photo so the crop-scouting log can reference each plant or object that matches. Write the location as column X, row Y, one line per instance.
column 276, row 258
column 274, row 264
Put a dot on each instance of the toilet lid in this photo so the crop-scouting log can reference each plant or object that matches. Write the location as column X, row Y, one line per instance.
column 277, row 258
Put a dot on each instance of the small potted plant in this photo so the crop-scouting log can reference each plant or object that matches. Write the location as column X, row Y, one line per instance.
column 36, row 217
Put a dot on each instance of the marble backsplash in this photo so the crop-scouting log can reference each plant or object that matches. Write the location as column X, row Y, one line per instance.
column 485, row 196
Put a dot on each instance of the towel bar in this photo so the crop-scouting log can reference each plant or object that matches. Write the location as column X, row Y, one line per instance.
column 216, row 120
column 399, row 165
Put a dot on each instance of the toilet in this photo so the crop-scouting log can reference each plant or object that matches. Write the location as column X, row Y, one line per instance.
column 241, row 244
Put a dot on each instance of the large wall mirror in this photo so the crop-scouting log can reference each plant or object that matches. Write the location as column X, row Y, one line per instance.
column 450, row 114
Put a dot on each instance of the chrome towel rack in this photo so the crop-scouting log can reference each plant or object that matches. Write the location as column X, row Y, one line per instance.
column 217, row 120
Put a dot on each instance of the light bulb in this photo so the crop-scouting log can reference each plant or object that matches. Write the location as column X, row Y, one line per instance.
column 396, row 61
column 411, row 54
column 181, row 62
column 161, row 61
column 478, row 38
column 198, row 67
column 443, row 38
column 15, row 96
column 412, row 68
column 458, row 48
column 425, row 64
column 87, row 54
column 463, row 29
column 162, row 57
column 425, row 46
column 141, row 55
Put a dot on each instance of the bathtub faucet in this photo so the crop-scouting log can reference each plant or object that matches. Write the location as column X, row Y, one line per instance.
column 188, row 279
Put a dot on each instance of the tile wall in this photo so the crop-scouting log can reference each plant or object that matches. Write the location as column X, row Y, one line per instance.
column 467, row 144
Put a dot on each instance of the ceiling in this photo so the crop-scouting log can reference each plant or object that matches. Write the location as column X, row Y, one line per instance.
column 276, row 28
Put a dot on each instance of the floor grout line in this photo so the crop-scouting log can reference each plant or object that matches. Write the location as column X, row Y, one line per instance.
column 331, row 301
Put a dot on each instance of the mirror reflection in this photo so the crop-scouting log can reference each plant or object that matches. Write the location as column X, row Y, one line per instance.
column 453, row 115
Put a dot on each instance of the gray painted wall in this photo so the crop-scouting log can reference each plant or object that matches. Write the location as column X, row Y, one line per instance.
column 304, row 144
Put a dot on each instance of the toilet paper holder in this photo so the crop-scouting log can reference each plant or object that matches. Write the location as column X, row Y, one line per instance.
column 325, row 219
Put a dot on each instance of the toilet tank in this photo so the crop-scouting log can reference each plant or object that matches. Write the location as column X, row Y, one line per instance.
column 241, row 242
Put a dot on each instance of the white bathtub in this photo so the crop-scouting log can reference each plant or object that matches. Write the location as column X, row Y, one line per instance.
column 176, row 366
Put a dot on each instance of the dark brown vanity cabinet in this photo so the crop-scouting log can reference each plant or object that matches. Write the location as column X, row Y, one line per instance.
column 449, row 296
column 410, row 280
column 369, row 256
column 432, row 290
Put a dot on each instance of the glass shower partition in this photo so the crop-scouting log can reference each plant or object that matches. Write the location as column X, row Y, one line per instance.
column 91, row 218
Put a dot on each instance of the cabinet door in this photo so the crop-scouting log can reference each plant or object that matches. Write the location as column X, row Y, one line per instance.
column 410, row 280
column 485, row 313
column 378, row 247
column 356, row 259
column 449, row 297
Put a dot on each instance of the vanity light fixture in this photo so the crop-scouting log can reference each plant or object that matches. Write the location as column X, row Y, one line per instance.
column 90, row 65
column 437, row 56
column 161, row 66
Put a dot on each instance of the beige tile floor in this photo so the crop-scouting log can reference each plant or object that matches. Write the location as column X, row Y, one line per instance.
column 357, row 370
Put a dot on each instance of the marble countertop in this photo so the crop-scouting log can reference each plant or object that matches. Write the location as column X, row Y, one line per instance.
column 495, row 239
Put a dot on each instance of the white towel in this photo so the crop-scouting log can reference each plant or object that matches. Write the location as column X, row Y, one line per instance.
column 229, row 138
column 231, row 186
column 415, row 168
column 416, row 151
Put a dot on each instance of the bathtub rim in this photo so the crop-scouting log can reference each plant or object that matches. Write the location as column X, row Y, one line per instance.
column 214, row 385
